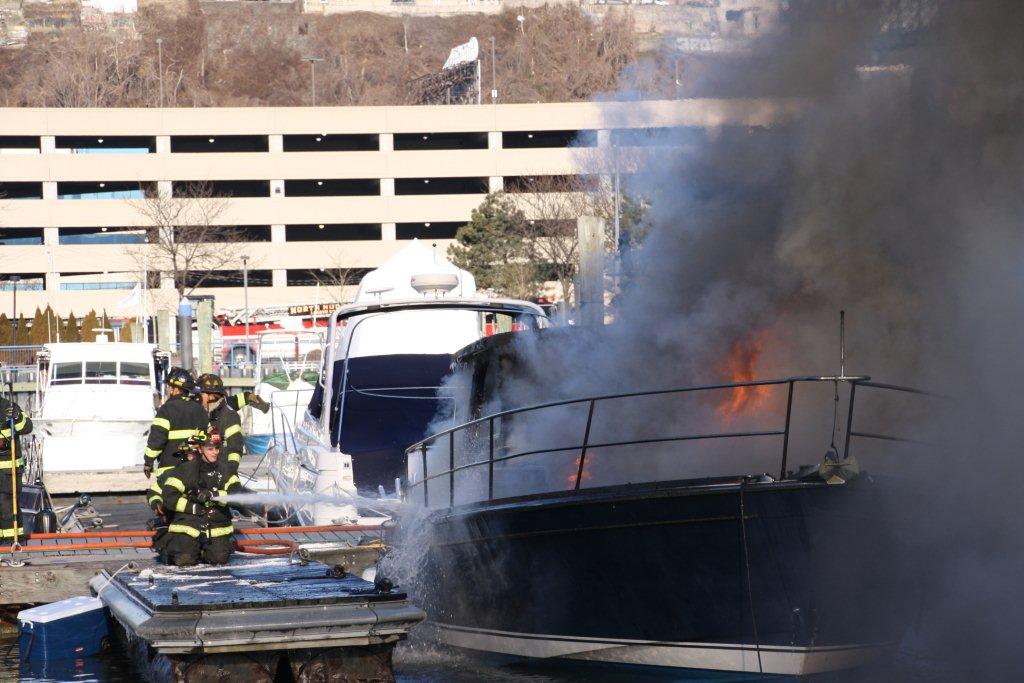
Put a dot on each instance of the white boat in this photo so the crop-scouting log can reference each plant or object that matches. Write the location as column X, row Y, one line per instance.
column 379, row 386
column 287, row 366
column 96, row 402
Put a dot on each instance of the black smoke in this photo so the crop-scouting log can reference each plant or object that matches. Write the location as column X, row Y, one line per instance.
column 896, row 194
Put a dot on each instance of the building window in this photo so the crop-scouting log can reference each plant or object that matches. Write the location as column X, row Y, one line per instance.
column 325, row 277
column 424, row 141
column 428, row 231
column 21, row 190
column 107, row 144
column 218, row 143
column 356, row 187
column 549, row 183
column 230, row 278
column 441, row 186
column 657, row 137
column 30, row 282
column 222, row 188
column 333, row 232
column 322, row 142
column 548, row 138
column 19, row 144
column 23, row 236
column 109, row 235
column 89, row 286
column 104, row 190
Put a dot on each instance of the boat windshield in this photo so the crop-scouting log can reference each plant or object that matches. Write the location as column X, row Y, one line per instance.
column 287, row 358
column 101, row 372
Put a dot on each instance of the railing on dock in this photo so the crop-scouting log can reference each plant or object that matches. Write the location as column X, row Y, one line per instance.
column 486, row 440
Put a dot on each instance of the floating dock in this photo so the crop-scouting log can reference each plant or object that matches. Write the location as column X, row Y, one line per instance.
column 53, row 567
column 264, row 618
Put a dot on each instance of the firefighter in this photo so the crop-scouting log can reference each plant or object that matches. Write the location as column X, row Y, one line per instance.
column 200, row 527
column 11, row 530
column 247, row 398
column 178, row 419
column 223, row 419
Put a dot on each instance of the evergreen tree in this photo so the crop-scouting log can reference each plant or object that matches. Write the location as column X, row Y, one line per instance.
column 105, row 322
column 492, row 246
column 5, row 330
column 71, row 332
column 54, row 327
column 22, row 338
column 37, row 335
column 89, row 325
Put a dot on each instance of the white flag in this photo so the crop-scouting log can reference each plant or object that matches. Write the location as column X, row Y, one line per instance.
column 132, row 300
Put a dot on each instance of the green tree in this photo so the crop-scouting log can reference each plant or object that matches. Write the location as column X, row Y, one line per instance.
column 37, row 335
column 5, row 330
column 89, row 325
column 22, row 338
column 71, row 332
column 492, row 246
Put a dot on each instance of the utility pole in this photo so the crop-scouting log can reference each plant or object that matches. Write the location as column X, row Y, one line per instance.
column 160, row 65
column 312, row 76
column 494, row 77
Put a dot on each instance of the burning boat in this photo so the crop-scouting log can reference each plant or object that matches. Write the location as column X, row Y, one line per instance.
column 692, row 528
column 378, row 389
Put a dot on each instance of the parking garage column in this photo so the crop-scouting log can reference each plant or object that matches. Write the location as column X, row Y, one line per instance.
column 495, row 183
column 387, row 231
column 387, row 142
column 604, row 137
column 52, row 283
column 164, row 189
column 163, row 144
column 51, row 236
column 276, row 188
column 275, row 143
column 49, row 189
column 277, row 233
column 494, row 140
column 47, row 144
column 387, row 187
column 279, row 278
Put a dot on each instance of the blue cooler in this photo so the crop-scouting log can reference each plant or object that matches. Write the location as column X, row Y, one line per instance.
column 68, row 629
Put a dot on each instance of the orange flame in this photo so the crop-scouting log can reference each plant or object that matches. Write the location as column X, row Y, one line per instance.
column 584, row 476
column 739, row 366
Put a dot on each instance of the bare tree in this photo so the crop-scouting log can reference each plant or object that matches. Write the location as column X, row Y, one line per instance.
column 337, row 278
column 552, row 205
column 185, row 236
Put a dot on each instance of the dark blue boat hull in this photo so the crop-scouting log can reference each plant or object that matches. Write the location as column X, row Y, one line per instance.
column 808, row 579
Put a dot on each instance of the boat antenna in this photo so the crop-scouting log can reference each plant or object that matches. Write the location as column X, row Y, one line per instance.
column 841, row 377
column 842, row 344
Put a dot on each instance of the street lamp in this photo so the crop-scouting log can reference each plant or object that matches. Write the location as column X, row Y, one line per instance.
column 312, row 75
column 245, row 295
column 14, row 317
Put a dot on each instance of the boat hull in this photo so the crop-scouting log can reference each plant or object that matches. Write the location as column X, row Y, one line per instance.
column 673, row 576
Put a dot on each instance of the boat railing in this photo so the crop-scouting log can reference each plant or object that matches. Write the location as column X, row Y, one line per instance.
column 282, row 424
column 497, row 452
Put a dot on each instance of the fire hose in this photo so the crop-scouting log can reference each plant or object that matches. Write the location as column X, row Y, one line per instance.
column 258, row 546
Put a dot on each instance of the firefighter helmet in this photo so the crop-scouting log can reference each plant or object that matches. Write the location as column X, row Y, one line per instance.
column 180, row 378
column 211, row 384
